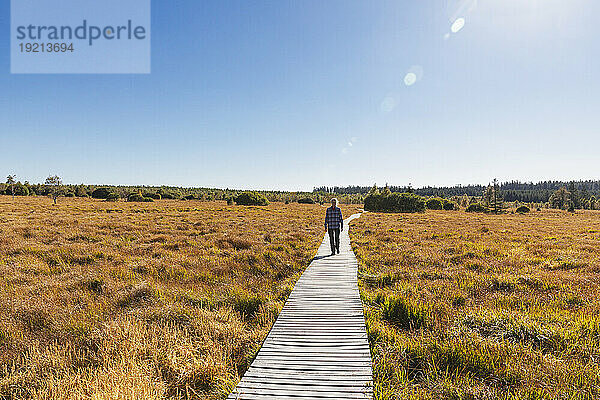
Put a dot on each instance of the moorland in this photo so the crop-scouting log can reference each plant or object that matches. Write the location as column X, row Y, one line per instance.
column 118, row 300
column 481, row 306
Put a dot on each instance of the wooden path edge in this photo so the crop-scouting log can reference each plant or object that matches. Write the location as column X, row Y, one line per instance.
column 318, row 346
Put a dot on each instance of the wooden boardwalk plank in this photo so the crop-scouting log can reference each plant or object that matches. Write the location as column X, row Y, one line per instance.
column 318, row 347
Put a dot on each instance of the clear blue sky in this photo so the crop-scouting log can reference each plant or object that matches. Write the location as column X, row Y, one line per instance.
column 296, row 94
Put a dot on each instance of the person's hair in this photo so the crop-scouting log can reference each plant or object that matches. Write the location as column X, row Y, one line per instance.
column 336, row 201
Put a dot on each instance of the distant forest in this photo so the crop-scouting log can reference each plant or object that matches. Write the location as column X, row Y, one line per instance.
column 513, row 191
column 551, row 194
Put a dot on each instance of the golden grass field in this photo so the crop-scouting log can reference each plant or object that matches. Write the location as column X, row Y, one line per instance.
column 159, row 300
column 475, row 306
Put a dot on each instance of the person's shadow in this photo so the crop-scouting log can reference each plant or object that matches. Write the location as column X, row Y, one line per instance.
column 325, row 256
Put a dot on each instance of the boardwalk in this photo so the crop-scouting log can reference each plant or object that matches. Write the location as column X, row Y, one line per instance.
column 317, row 348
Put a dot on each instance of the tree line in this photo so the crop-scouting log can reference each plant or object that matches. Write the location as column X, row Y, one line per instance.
column 55, row 188
column 581, row 194
column 552, row 194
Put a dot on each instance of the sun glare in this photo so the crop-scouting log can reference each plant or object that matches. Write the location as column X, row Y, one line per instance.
column 410, row 79
column 458, row 25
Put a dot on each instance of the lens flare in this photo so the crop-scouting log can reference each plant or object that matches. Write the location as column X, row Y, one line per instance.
column 410, row 79
column 458, row 25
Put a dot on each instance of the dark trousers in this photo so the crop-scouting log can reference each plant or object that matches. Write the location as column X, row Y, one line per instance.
column 334, row 239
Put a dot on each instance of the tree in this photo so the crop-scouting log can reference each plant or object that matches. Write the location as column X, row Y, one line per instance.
column 574, row 197
column 497, row 203
column 560, row 199
column 53, row 185
column 11, row 180
column 386, row 190
column 492, row 198
column 488, row 195
column 374, row 189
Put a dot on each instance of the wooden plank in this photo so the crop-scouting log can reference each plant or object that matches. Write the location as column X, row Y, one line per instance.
column 318, row 346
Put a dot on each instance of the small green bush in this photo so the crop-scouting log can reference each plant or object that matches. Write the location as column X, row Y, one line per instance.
column 165, row 194
column 113, row 197
column 395, row 202
column 136, row 197
column 189, row 197
column 450, row 205
column 434, row 204
column 101, row 193
column 154, row 196
column 230, row 201
column 477, row 207
column 523, row 210
column 251, row 199
column 247, row 304
column 401, row 312
column 306, row 200
column 20, row 190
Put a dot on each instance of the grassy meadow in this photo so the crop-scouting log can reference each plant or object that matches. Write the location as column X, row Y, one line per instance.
column 476, row 306
column 116, row 300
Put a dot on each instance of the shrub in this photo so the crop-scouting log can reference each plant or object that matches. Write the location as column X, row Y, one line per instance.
column 434, row 204
column 101, row 193
column 113, row 197
column 523, row 209
column 230, row 201
column 401, row 312
column 395, row 202
column 154, row 196
column 136, row 197
column 306, row 200
column 449, row 205
column 81, row 192
column 165, row 194
column 20, row 190
column 247, row 304
column 189, row 197
column 69, row 194
column 477, row 207
column 251, row 199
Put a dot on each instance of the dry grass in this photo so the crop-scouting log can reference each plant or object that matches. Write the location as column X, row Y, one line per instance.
column 468, row 306
column 142, row 301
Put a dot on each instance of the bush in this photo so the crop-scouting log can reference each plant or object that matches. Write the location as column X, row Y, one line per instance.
column 434, row 204
column 136, row 197
column 251, row 199
column 523, row 210
column 155, row 196
column 477, row 207
column 306, row 200
column 20, row 190
column 189, row 197
column 165, row 195
column 247, row 305
column 230, row 201
column 113, row 197
column 69, row 194
column 395, row 202
column 101, row 193
column 450, row 205
column 402, row 313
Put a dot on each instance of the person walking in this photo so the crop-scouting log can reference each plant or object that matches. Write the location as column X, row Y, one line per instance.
column 334, row 224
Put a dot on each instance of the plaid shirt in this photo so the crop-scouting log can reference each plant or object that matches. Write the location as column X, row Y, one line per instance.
column 334, row 219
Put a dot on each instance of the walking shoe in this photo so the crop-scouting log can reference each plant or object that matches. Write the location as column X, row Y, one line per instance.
column 338, row 251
